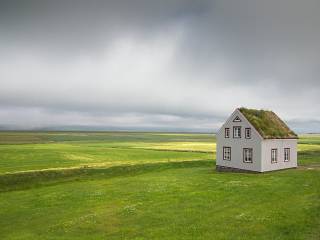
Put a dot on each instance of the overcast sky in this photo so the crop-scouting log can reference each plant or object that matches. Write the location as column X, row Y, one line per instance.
column 150, row 64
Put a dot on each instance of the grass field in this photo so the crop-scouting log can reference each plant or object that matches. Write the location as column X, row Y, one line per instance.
column 119, row 185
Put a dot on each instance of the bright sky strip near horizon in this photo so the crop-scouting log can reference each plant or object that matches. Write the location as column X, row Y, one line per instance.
column 157, row 65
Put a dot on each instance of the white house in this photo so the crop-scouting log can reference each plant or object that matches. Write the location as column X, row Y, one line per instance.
column 255, row 140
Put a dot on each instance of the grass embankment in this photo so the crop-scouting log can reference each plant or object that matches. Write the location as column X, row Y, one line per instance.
column 153, row 196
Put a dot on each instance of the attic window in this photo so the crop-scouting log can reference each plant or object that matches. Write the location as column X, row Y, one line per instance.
column 237, row 119
column 227, row 132
column 237, row 132
column 247, row 132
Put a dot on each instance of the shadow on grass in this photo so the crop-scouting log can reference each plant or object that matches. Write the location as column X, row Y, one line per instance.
column 31, row 179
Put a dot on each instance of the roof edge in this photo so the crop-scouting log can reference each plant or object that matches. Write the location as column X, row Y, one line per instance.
column 259, row 134
column 266, row 137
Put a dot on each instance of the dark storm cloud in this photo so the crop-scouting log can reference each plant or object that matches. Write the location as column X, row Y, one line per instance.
column 74, row 27
column 157, row 64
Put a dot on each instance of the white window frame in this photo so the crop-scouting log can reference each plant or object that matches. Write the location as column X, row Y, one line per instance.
column 227, row 132
column 226, row 153
column 237, row 132
column 274, row 155
column 248, row 155
column 286, row 156
column 247, row 133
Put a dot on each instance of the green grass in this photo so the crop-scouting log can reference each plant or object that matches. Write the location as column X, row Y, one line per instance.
column 267, row 123
column 28, row 157
column 149, row 186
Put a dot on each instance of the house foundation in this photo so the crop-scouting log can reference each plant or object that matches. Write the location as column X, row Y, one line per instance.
column 231, row 169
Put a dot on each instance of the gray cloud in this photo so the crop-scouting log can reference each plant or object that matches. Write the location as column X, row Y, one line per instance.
column 161, row 64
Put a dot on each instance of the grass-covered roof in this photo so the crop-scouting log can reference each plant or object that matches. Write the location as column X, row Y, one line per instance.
column 267, row 123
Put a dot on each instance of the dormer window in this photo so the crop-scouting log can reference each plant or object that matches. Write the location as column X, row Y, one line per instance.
column 227, row 132
column 237, row 132
column 247, row 132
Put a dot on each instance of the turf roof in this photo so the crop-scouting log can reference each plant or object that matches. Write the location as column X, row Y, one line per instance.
column 267, row 123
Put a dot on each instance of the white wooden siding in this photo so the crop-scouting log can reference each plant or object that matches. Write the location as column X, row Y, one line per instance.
column 238, row 144
column 279, row 144
column 261, row 161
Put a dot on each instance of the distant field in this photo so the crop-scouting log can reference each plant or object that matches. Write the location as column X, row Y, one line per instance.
column 119, row 185
column 36, row 151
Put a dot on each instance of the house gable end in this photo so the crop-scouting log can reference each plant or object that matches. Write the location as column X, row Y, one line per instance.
column 221, row 130
column 240, row 119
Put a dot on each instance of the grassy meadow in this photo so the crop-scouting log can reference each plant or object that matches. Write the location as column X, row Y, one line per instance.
column 120, row 185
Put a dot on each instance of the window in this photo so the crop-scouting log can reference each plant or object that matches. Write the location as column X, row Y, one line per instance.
column 227, row 132
column 247, row 155
column 247, row 132
column 287, row 154
column 227, row 153
column 237, row 119
column 274, row 155
column 237, row 132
